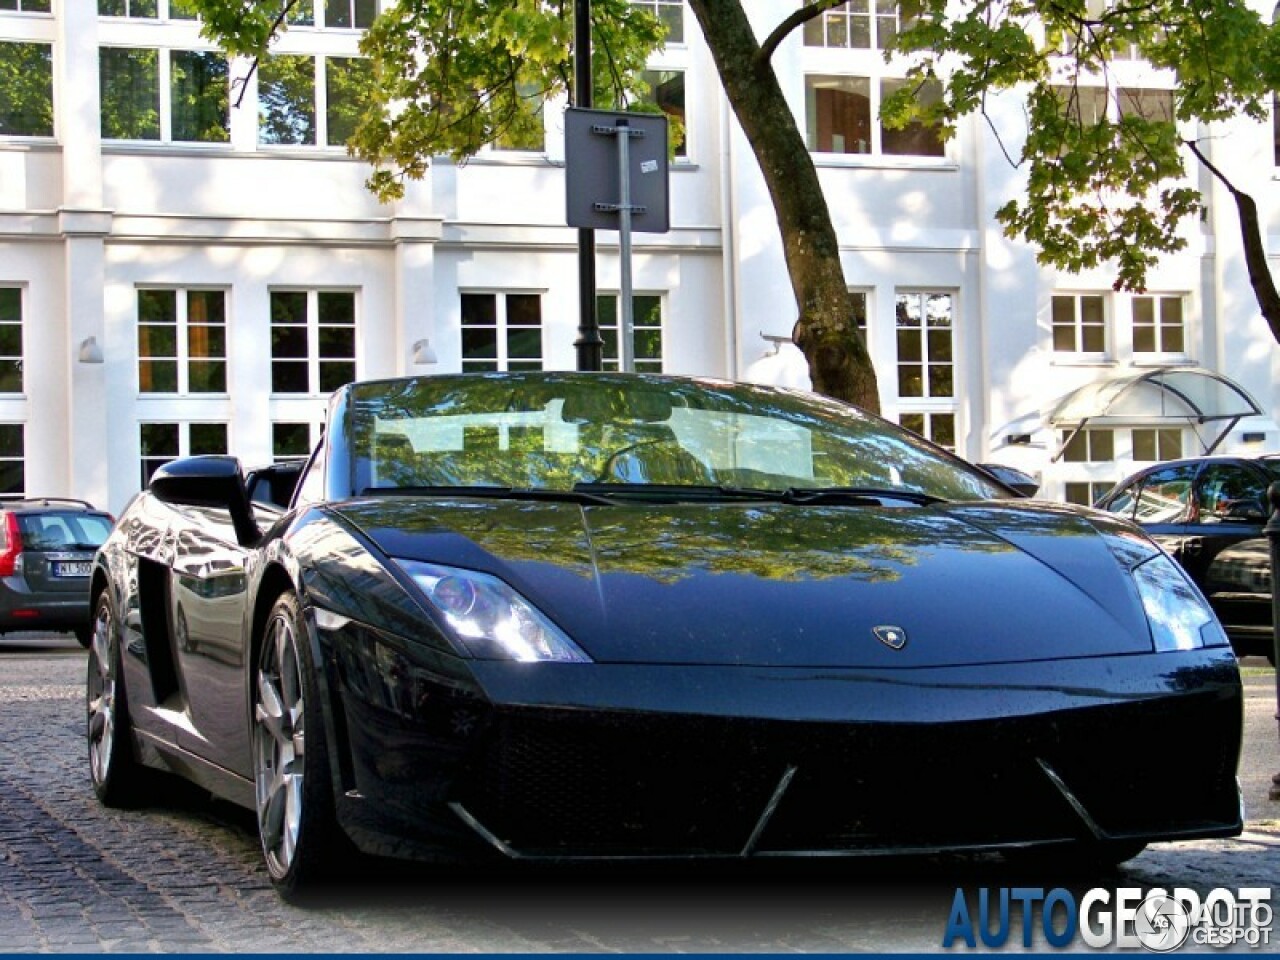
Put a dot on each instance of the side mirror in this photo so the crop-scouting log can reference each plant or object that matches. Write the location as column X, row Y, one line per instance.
column 1021, row 483
column 213, row 481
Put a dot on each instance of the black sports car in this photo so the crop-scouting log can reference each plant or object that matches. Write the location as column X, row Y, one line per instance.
column 557, row 615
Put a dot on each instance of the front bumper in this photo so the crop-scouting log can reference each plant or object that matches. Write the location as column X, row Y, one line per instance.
column 594, row 760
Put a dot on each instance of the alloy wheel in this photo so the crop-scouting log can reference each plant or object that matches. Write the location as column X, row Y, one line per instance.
column 279, row 743
column 101, row 695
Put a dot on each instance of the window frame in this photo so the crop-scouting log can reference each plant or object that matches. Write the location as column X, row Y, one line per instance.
column 1078, row 326
column 20, row 459
column 20, row 296
column 502, row 331
column 164, row 98
column 313, row 327
column 182, row 333
column 877, row 134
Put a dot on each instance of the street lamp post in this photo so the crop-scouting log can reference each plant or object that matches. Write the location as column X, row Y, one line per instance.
column 589, row 345
column 1272, row 532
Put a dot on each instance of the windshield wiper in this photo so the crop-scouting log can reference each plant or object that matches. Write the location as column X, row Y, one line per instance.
column 490, row 492
column 699, row 492
column 857, row 495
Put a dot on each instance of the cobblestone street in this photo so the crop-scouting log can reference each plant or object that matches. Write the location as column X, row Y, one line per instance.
column 186, row 874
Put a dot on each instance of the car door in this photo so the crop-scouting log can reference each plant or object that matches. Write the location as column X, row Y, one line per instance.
column 208, row 595
column 1161, row 502
column 1229, row 507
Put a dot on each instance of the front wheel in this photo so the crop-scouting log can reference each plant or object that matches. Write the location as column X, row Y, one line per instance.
column 293, row 792
column 116, row 775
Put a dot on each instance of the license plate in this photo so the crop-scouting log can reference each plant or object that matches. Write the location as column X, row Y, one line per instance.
column 79, row 568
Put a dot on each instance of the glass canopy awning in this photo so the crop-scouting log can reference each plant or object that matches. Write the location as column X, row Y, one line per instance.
column 1162, row 395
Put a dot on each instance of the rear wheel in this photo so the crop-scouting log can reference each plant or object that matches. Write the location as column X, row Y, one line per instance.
column 117, row 777
column 294, row 795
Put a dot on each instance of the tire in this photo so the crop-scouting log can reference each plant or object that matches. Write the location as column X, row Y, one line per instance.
column 116, row 775
column 84, row 635
column 293, row 791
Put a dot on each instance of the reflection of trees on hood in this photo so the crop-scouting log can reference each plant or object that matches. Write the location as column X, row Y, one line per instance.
column 670, row 543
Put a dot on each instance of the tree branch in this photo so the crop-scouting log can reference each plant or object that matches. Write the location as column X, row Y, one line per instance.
column 780, row 32
column 1255, row 253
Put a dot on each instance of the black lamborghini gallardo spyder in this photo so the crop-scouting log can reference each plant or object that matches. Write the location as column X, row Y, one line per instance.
column 558, row 615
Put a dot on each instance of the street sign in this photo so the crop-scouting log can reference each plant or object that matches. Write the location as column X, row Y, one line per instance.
column 593, row 184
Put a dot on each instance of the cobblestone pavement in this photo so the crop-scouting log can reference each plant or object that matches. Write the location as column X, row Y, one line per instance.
column 185, row 874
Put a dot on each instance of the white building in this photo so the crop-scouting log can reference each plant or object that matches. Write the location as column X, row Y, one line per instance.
column 179, row 277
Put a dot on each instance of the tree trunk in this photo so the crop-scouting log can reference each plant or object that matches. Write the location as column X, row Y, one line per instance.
column 839, row 364
column 1255, row 251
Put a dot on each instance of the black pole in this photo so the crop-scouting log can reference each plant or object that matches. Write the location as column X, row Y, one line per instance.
column 1272, row 532
column 590, row 346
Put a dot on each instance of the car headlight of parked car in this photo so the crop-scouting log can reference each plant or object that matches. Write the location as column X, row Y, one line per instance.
column 1180, row 617
column 488, row 619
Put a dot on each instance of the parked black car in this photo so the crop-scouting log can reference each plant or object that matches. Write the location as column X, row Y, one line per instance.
column 1205, row 511
column 46, row 552
column 561, row 615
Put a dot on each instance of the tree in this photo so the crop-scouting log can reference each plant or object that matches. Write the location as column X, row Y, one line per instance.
column 1107, row 177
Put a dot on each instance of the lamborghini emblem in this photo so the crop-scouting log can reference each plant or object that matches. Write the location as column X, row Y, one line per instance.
column 895, row 638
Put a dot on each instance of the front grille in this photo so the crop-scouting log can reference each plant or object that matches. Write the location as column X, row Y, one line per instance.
column 577, row 783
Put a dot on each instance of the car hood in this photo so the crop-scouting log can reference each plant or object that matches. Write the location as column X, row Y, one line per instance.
column 771, row 584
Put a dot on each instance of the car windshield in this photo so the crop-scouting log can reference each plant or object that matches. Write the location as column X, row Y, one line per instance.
column 558, row 432
column 63, row 529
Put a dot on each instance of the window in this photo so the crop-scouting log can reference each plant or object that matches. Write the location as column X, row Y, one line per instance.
column 925, row 362
column 938, row 427
column 839, row 112
column 1152, row 105
column 336, row 14
column 143, row 9
column 350, row 14
column 646, row 331
column 1084, row 105
column 1164, row 497
column 309, row 101
column 1158, row 325
column 1231, row 493
column 1079, row 323
column 161, row 442
column 859, row 300
column 313, row 340
column 1157, row 444
column 501, row 331
column 293, row 440
column 137, row 9
column 1089, row 446
column 10, row 340
column 26, row 95
column 1086, row 494
column 858, row 24
column 670, row 12
column 287, row 100
column 182, row 341
column 170, row 95
column 346, row 96
column 13, row 473
column 27, row 6
column 666, row 92
column 517, row 130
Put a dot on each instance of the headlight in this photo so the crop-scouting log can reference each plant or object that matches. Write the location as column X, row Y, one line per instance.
column 1179, row 616
column 489, row 619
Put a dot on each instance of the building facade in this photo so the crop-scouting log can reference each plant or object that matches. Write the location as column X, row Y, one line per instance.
column 190, row 262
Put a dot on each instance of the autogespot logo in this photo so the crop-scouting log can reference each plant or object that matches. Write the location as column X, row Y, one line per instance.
column 1128, row 917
